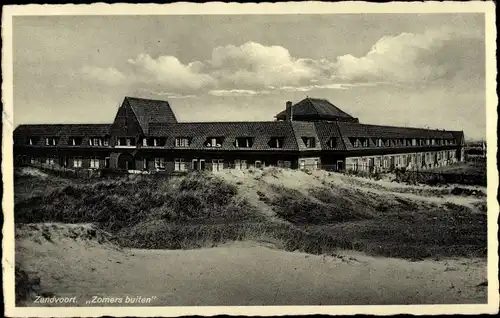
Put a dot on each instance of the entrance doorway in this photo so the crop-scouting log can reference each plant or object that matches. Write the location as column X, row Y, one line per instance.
column 126, row 161
column 340, row 165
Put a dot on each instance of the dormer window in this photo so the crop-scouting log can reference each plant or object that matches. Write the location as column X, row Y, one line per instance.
column 433, row 142
column 126, row 141
column 182, row 142
column 332, row 143
column 98, row 141
column 154, row 142
column 75, row 141
column 309, row 142
column 414, row 142
column 50, row 141
column 276, row 142
column 214, row 142
column 243, row 142
column 32, row 141
column 356, row 142
column 379, row 142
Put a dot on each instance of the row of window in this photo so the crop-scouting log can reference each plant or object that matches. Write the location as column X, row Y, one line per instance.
column 240, row 142
column 385, row 142
column 75, row 162
column 421, row 159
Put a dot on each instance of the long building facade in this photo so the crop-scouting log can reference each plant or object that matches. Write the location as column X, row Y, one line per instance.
column 311, row 134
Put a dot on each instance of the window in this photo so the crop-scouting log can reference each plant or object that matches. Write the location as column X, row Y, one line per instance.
column 32, row 141
column 126, row 141
column 355, row 165
column 50, row 141
column 75, row 141
column 160, row 163
column 99, row 142
column 214, row 142
column 154, row 142
column 279, row 163
column 309, row 142
column 94, row 163
column 217, row 164
column 332, row 143
column 240, row 164
column 50, row 161
column 302, row 164
column 287, row 164
column 179, row 164
column 380, row 142
column 181, row 142
column 243, row 142
column 276, row 142
column 355, row 142
column 77, row 162
column 433, row 142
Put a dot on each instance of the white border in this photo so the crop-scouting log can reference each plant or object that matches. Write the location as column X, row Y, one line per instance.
column 236, row 8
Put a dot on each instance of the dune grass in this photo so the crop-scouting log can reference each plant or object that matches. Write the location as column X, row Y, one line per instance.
column 201, row 210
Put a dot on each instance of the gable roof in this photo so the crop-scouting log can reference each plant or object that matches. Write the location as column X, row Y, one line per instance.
column 326, row 131
column 262, row 132
column 305, row 129
column 150, row 111
column 317, row 108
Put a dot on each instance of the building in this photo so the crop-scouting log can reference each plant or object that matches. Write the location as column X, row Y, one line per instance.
column 146, row 136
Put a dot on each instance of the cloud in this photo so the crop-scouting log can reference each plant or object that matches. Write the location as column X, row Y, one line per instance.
column 253, row 65
column 110, row 76
column 253, row 68
column 408, row 58
column 166, row 94
column 236, row 92
column 169, row 72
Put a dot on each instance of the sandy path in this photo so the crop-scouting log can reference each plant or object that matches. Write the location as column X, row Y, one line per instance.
column 247, row 273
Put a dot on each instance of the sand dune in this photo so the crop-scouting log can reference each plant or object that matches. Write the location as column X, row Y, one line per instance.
column 239, row 273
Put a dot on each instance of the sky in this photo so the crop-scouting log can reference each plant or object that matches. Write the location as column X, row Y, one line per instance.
column 415, row 70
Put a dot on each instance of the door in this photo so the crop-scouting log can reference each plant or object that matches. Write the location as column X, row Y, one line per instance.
column 106, row 162
column 126, row 161
column 202, row 164
column 371, row 164
column 194, row 164
column 340, row 165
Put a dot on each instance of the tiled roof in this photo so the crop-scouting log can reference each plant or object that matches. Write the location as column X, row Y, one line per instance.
column 150, row 111
column 326, row 131
column 262, row 132
column 351, row 130
column 62, row 130
column 363, row 130
column 319, row 108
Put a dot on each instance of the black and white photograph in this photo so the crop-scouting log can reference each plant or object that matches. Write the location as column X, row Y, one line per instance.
column 317, row 155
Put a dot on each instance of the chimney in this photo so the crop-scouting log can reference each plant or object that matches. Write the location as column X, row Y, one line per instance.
column 289, row 111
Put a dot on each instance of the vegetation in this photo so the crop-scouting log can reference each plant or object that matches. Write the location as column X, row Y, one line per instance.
column 199, row 210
